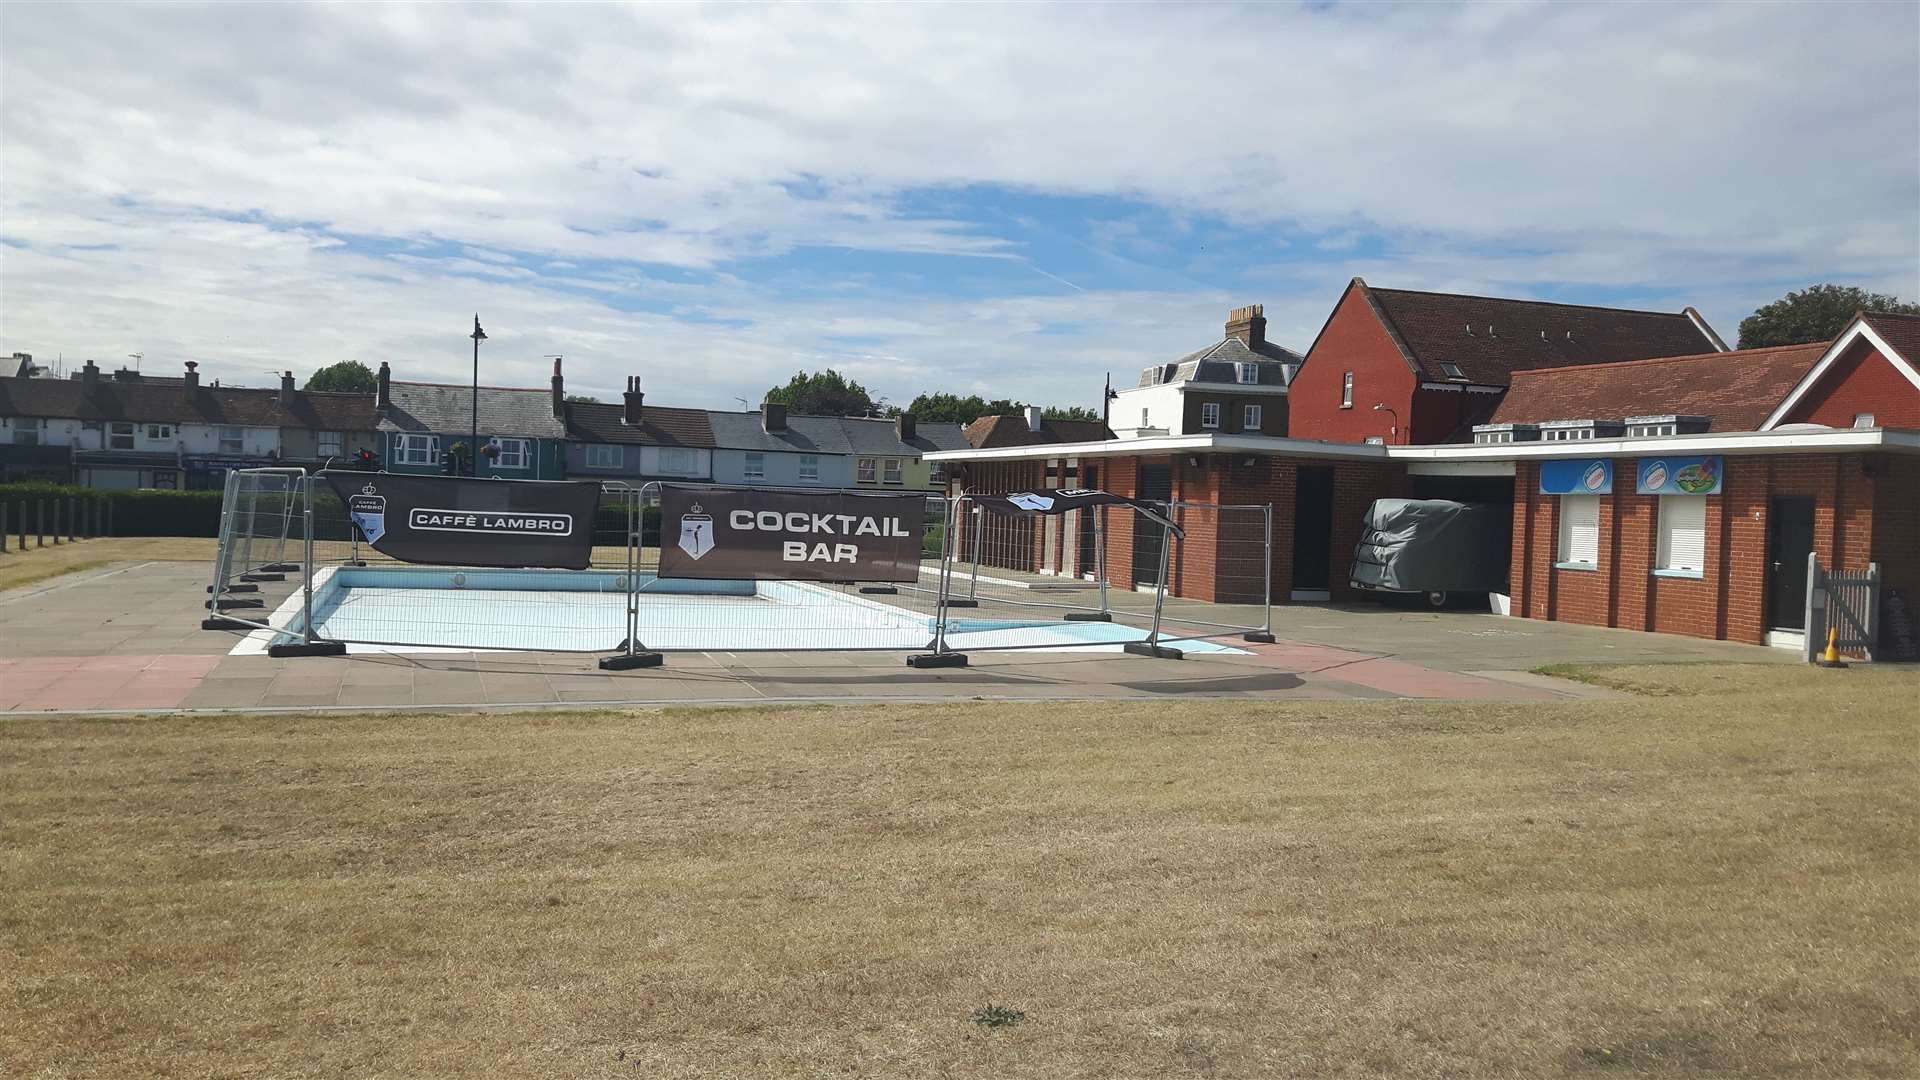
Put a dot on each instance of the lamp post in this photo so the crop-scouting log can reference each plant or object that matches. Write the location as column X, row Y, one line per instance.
column 1392, row 431
column 473, row 436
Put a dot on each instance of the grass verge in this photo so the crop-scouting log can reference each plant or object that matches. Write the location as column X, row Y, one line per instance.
column 1716, row 881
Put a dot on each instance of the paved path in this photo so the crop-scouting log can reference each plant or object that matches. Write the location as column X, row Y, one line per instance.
column 127, row 638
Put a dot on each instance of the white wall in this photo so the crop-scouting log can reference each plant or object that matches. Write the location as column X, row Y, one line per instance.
column 1163, row 405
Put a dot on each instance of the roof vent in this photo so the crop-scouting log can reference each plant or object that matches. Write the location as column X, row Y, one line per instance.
column 1469, row 329
column 1490, row 330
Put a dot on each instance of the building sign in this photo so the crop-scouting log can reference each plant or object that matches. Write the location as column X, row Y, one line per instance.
column 1576, row 476
column 462, row 521
column 741, row 534
column 1678, row 476
column 1065, row 500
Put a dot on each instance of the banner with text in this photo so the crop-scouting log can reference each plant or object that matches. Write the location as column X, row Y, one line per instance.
column 1678, row 476
column 742, row 534
column 1577, row 476
column 461, row 521
column 1066, row 500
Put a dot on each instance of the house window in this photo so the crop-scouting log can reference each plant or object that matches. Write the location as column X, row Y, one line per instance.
column 1683, row 533
column 1249, row 373
column 809, row 468
column 1210, row 414
column 602, row 456
column 417, row 449
column 679, row 461
column 232, row 440
column 1863, row 420
column 1580, row 530
column 866, row 472
column 890, row 474
column 1486, row 437
column 26, row 430
column 1143, row 418
column 936, row 472
column 514, row 453
column 331, row 443
column 756, row 467
column 159, row 431
column 1651, row 430
column 1346, row 390
column 1451, row 370
column 1250, row 418
column 120, row 436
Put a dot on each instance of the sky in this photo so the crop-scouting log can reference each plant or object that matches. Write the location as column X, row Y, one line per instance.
column 1005, row 200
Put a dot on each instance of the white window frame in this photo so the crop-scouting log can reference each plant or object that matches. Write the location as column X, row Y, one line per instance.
column 233, row 440
column 1683, row 535
column 1143, row 418
column 159, row 431
column 936, row 472
column 754, row 465
column 868, row 471
column 1209, row 414
column 893, row 471
column 415, row 449
column 335, row 439
column 604, row 456
column 1863, row 420
column 1451, row 370
column 514, row 453
column 1579, row 540
column 115, row 433
column 28, row 430
column 809, row 468
column 1250, row 373
column 1346, row 390
column 1250, row 417
column 672, row 456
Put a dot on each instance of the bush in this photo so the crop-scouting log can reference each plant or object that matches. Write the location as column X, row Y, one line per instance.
column 133, row 513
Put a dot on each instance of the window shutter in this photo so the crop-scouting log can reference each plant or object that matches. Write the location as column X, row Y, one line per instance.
column 1580, row 529
column 1683, row 532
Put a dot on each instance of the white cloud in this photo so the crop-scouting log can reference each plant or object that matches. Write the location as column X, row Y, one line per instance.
column 1726, row 151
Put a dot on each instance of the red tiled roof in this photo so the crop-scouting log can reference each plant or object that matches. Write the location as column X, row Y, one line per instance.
column 1900, row 331
column 1491, row 338
column 590, row 421
column 149, row 400
column 992, row 431
column 1735, row 389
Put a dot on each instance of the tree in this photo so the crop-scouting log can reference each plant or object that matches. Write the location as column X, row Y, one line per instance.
column 588, row 399
column 1071, row 412
column 823, row 393
column 953, row 409
column 347, row 376
column 1816, row 313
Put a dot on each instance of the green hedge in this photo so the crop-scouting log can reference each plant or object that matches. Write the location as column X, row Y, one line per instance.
column 133, row 513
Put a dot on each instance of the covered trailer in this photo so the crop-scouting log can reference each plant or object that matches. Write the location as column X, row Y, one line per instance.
column 1435, row 547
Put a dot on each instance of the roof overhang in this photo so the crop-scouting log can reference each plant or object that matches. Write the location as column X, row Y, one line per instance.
column 1857, row 332
column 1834, row 440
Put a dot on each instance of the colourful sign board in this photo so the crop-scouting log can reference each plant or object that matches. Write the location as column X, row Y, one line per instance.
column 1576, row 476
column 1678, row 476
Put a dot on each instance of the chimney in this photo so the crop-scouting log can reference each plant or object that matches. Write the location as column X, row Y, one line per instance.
column 1249, row 324
column 286, row 389
column 89, row 378
column 191, row 383
column 559, row 391
column 630, row 409
column 1035, row 417
column 903, row 428
column 383, row 388
column 773, row 416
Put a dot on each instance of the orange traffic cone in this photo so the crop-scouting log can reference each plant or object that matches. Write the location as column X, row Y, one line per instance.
column 1831, row 657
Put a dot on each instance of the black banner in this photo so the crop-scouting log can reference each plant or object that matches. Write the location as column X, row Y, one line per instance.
column 741, row 534
column 462, row 521
column 1064, row 500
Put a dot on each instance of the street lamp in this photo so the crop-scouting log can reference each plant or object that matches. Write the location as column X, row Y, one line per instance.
column 473, row 436
column 1392, row 431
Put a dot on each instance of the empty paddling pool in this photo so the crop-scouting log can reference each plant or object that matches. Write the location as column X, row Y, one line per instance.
column 586, row 611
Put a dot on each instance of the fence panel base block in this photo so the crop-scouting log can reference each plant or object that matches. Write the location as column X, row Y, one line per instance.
column 308, row 648
column 237, row 588
column 1087, row 616
column 1158, row 652
column 224, row 604
column 627, row 662
column 281, row 567
column 221, row 622
column 937, row 660
column 261, row 577
column 1259, row 636
column 959, row 601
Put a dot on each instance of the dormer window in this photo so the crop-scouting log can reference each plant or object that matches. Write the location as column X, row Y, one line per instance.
column 1863, row 420
column 1500, row 434
column 1451, row 370
column 1651, row 427
column 1249, row 373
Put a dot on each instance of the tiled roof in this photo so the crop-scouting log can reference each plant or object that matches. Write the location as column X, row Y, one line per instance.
column 1490, row 338
column 1900, row 331
column 1736, row 390
column 993, row 431
column 881, row 437
column 447, row 409
column 801, row 435
column 156, row 402
column 1218, row 363
column 597, row 423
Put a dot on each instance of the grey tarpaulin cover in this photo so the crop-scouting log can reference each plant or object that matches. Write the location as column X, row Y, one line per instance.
column 1429, row 545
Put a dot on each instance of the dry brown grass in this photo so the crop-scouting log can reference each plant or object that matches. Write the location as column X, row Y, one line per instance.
column 1721, row 881
column 19, row 569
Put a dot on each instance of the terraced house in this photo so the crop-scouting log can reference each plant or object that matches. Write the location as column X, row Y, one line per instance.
column 523, row 433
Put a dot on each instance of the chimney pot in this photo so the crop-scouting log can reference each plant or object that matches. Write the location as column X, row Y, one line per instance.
column 773, row 416
column 559, row 391
column 286, row 389
column 903, row 427
column 383, row 387
column 89, row 377
column 190, row 384
column 631, row 402
column 1249, row 324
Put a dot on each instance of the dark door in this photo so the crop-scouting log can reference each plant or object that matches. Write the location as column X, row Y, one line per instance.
column 1312, row 528
column 1154, row 483
column 1789, row 539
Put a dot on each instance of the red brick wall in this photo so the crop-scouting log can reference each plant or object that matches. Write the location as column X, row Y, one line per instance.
column 1729, row 599
column 1353, row 341
column 1860, row 381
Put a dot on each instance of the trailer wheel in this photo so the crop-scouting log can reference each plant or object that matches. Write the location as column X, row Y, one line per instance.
column 1437, row 598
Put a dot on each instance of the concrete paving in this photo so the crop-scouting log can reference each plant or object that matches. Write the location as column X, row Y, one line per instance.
column 127, row 639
